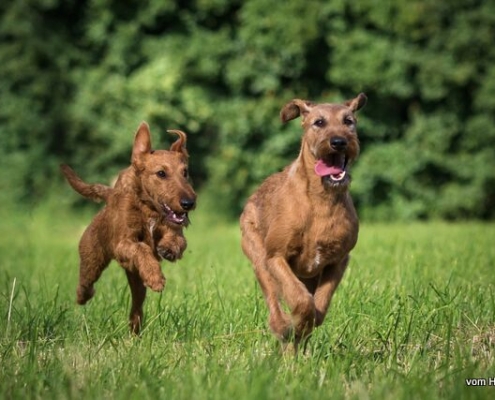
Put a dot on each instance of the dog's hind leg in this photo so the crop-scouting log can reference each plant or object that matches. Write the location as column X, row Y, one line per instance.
column 279, row 321
column 93, row 260
column 138, row 294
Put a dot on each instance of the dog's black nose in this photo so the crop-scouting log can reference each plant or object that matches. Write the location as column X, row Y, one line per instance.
column 338, row 143
column 187, row 204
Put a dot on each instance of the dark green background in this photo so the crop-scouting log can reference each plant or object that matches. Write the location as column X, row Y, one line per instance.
column 77, row 77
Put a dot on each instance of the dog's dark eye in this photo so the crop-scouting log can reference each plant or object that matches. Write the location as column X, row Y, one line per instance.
column 161, row 174
column 348, row 121
column 185, row 173
column 320, row 122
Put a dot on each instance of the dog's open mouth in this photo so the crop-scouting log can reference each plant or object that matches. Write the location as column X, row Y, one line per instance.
column 333, row 168
column 179, row 218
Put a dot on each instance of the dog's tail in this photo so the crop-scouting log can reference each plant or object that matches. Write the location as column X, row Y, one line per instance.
column 96, row 191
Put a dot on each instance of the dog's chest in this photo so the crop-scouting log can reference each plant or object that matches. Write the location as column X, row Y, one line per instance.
column 320, row 245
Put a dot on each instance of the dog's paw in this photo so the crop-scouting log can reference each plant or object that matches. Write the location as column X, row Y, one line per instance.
column 84, row 294
column 169, row 254
column 155, row 282
column 281, row 326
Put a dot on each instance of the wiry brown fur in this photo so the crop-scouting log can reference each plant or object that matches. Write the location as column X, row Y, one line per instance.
column 141, row 223
column 298, row 227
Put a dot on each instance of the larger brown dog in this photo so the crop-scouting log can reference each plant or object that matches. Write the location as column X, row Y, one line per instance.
column 142, row 222
column 300, row 226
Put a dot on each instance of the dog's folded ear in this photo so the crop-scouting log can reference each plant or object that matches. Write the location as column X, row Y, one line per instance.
column 180, row 144
column 142, row 144
column 294, row 109
column 357, row 103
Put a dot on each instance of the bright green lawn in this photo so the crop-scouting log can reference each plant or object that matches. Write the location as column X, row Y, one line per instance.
column 413, row 319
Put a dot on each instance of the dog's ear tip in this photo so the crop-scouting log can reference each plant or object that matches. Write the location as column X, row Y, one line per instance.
column 290, row 110
column 358, row 102
column 176, row 131
column 363, row 99
column 283, row 117
column 182, row 135
column 142, row 140
column 294, row 109
column 143, row 126
column 143, row 130
column 180, row 144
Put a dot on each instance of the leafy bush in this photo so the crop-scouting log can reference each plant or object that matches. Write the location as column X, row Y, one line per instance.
column 78, row 78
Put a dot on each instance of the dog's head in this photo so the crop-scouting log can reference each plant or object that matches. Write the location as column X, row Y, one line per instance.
column 330, row 135
column 163, row 176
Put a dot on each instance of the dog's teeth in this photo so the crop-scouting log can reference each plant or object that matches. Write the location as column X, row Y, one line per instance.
column 338, row 178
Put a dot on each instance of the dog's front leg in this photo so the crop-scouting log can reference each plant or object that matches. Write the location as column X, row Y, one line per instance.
column 138, row 256
column 328, row 283
column 295, row 295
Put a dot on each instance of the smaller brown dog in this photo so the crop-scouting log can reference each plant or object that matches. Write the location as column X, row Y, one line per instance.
column 142, row 222
column 300, row 225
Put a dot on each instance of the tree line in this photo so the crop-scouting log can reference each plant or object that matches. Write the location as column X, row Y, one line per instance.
column 77, row 77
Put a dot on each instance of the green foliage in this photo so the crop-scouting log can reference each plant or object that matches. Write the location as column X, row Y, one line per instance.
column 77, row 78
column 412, row 318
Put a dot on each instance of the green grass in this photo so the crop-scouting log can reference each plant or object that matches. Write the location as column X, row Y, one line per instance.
column 412, row 319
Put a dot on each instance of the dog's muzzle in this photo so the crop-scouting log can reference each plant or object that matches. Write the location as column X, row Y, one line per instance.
column 178, row 218
column 332, row 168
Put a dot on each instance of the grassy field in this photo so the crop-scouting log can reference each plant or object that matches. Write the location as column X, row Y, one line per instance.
column 414, row 318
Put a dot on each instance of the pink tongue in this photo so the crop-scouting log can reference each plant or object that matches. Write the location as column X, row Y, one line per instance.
column 322, row 169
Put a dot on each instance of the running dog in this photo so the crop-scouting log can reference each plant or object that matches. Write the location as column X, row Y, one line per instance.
column 142, row 222
column 300, row 225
